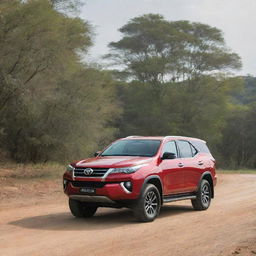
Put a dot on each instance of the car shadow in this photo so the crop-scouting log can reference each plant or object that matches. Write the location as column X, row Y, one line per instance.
column 104, row 219
column 170, row 210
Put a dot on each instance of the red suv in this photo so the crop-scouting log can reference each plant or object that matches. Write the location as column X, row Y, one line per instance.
column 142, row 173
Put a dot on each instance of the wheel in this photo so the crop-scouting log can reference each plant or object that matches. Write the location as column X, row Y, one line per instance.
column 147, row 207
column 82, row 209
column 203, row 197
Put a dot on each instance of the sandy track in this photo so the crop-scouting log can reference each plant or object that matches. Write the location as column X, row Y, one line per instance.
column 226, row 228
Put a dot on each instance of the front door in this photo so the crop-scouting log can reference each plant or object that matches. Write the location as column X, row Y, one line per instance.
column 173, row 177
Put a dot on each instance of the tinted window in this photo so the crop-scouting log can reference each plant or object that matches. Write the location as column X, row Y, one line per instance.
column 170, row 147
column 132, row 148
column 201, row 146
column 185, row 149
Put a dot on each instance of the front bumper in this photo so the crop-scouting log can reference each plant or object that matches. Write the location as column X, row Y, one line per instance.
column 92, row 199
column 104, row 191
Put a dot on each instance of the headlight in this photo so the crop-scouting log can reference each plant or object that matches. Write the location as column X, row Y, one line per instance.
column 70, row 168
column 131, row 169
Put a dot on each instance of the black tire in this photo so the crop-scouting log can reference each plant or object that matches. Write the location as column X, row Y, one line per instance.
column 82, row 209
column 203, row 197
column 147, row 206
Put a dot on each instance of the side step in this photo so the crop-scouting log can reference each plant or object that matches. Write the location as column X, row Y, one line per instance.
column 178, row 197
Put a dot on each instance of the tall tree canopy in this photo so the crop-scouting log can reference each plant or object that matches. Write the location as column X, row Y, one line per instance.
column 155, row 50
column 51, row 104
column 56, row 107
column 34, row 39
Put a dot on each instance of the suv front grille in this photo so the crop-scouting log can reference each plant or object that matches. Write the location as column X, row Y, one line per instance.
column 97, row 172
column 89, row 184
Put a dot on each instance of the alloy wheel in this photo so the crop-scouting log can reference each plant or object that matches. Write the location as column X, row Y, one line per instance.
column 151, row 203
column 205, row 195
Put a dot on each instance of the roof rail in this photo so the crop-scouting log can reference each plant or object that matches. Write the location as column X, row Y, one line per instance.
column 183, row 137
column 131, row 136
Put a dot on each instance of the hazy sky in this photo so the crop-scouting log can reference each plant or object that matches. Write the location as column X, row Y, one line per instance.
column 236, row 18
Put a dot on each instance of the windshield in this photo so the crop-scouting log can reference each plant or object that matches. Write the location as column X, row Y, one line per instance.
column 132, row 148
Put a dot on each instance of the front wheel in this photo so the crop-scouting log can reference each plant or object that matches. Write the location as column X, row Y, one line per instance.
column 203, row 198
column 147, row 207
column 82, row 209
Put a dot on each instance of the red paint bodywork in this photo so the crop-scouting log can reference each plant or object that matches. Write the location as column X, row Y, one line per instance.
column 174, row 179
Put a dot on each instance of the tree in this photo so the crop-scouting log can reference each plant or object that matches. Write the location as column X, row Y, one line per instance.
column 52, row 106
column 237, row 149
column 156, row 50
column 248, row 94
column 67, row 6
column 195, row 108
column 46, row 40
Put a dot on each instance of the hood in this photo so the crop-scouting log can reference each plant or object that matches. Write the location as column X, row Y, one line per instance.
column 112, row 161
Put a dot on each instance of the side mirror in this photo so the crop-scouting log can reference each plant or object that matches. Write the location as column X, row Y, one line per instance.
column 168, row 155
column 97, row 153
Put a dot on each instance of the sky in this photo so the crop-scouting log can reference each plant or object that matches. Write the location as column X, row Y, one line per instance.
column 236, row 18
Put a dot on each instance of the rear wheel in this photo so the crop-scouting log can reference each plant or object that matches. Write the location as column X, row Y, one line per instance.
column 203, row 198
column 148, row 205
column 82, row 209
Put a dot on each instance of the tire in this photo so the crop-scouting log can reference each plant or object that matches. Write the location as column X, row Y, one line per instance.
column 203, row 197
column 147, row 206
column 82, row 209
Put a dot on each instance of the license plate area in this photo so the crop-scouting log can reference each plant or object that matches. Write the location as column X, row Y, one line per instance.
column 87, row 190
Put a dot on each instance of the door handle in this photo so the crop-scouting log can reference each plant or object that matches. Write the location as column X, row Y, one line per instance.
column 180, row 164
column 200, row 163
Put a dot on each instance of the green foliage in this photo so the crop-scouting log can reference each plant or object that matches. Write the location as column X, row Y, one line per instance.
column 237, row 148
column 156, row 50
column 67, row 6
column 52, row 107
column 239, row 138
column 194, row 97
column 46, row 41
column 193, row 108
column 248, row 95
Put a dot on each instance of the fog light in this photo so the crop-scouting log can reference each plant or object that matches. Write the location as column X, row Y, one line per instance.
column 65, row 183
column 128, row 185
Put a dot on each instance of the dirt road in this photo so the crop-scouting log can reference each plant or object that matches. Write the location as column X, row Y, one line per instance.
column 228, row 227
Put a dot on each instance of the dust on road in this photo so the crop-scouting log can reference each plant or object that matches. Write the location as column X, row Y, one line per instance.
column 45, row 227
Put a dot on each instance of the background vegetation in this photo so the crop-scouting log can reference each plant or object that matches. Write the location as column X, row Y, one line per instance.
column 164, row 78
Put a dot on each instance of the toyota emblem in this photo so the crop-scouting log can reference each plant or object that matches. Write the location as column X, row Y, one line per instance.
column 88, row 171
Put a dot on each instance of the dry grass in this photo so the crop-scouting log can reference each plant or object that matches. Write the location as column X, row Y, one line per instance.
column 238, row 171
column 55, row 171
column 31, row 171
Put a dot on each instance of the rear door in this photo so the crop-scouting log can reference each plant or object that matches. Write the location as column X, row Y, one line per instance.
column 187, row 160
column 173, row 178
column 199, row 165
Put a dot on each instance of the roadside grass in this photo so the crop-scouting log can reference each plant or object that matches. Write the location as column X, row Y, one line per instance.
column 238, row 171
column 31, row 171
column 51, row 171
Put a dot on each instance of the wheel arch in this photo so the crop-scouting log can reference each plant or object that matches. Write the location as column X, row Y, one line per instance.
column 207, row 176
column 155, row 180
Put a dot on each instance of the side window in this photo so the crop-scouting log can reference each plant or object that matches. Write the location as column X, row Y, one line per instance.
column 201, row 146
column 194, row 151
column 185, row 149
column 170, row 147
